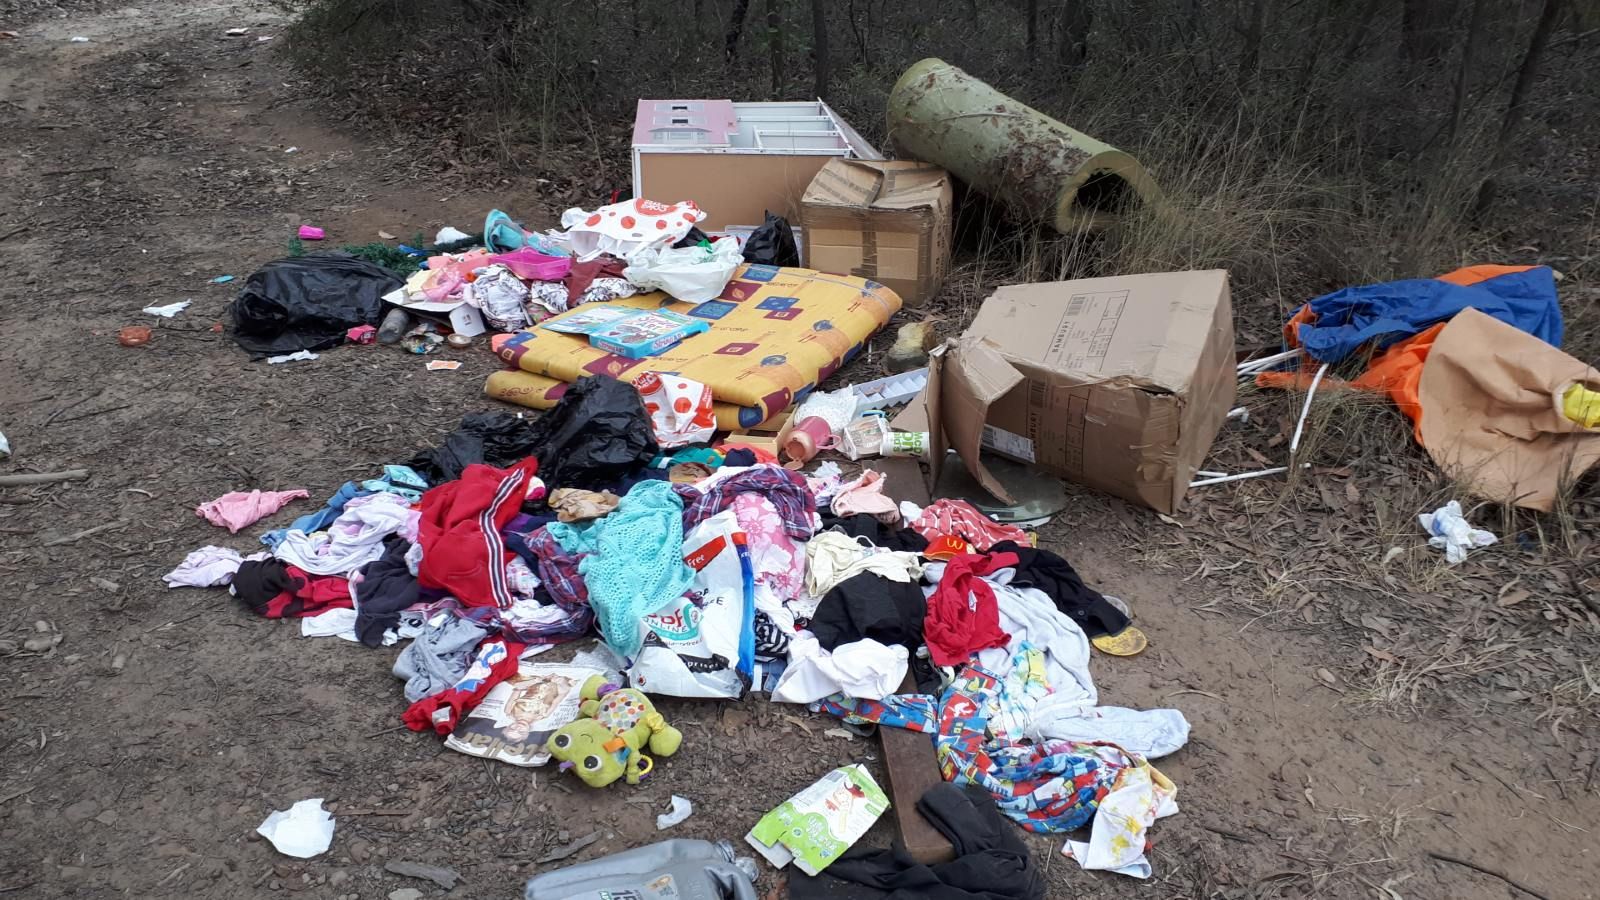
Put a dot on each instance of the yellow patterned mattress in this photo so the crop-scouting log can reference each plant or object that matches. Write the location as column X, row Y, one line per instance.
column 775, row 333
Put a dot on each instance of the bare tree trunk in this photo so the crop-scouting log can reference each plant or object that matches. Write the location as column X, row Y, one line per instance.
column 1424, row 35
column 819, row 46
column 1250, row 49
column 775, row 46
column 1137, row 27
column 1072, row 32
column 1359, row 35
column 1032, row 10
column 730, row 43
column 1515, row 107
column 874, row 24
column 855, row 29
column 1319, row 43
column 1469, row 58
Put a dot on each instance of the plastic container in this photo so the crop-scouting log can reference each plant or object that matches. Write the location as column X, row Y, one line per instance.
column 907, row 443
column 811, row 434
column 133, row 336
column 680, row 869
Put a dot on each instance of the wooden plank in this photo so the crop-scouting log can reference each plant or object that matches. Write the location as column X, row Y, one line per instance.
column 912, row 768
column 908, row 755
column 903, row 478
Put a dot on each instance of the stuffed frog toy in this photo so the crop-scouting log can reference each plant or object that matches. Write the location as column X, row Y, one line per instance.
column 608, row 740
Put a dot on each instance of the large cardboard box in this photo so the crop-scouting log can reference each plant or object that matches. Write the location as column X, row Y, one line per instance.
column 887, row 221
column 1120, row 384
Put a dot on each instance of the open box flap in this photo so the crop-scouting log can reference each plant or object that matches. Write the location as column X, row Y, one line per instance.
column 964, row 377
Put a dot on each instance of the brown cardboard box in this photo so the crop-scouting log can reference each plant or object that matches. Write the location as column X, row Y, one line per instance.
column 888, row 221
column 1116, row 383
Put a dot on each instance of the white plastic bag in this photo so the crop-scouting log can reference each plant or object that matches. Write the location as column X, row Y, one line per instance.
column 691, row 274
column 624, row 229
column 680, row 409
column 836, row 408
column 696, row 645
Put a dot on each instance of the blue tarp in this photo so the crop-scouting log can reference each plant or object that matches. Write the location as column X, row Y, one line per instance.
column 1385, row 314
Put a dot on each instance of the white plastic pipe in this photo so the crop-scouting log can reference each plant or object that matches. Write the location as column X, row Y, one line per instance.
column 1275, row 470
column 1252, row 366
column 1300, row 426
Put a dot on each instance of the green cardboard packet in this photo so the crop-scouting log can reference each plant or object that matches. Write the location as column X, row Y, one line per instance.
column 814, row 827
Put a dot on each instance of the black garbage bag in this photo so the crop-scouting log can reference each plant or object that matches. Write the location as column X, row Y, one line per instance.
column 308, row 303
column 597, row 436
column 497, row 438
column 694, row 238
column 772, row 244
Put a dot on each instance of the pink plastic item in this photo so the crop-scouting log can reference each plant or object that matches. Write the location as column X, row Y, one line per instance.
column 531, row 265
column 311, row 233
column 808, row 436
column 361, row 334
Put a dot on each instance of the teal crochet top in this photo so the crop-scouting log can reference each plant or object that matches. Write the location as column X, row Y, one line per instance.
column 634, row 563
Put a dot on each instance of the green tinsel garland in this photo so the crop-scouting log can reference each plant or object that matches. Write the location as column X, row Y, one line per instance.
column 391, row 257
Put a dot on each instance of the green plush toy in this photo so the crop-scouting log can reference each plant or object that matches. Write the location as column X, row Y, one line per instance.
column 608, row 740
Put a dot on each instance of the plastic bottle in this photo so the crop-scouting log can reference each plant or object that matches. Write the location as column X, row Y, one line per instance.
column 679, row 869
column 395, row 325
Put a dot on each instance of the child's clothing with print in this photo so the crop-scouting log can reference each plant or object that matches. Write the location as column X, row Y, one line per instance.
column 958, row 518
column 495, row 661
column 1047, row 787
column 778, row 563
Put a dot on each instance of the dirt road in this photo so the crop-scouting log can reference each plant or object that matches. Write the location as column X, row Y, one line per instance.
column 142, row 163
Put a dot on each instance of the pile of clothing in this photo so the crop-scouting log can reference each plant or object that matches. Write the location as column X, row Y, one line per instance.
column 710, row 571
column 508, row 280
column 519, row 278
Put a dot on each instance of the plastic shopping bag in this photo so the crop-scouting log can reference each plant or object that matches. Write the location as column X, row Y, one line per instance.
column 680, row 409
column 703, row 644
column 691, row 274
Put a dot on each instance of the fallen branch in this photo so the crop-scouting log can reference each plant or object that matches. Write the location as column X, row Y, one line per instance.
column 1230, row 835
column 43, row 477
column 54, row 172
column 386, row 731
column 95, row 412
column 77, row 535
column 1488, row 871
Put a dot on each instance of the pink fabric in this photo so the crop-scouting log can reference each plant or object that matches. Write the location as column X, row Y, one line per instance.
column 958, row 518
column 778, row 562
column 237, row 509
column 449, row 272
column 865, row 495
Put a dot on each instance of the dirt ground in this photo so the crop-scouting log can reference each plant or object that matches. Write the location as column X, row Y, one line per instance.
column 139, row 165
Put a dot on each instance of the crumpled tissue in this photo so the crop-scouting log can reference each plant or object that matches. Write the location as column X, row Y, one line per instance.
column 303, row 830
column 681, row 809
column 1451, row 532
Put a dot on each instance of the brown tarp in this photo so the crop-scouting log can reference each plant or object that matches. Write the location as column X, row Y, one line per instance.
column 1491, row 412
